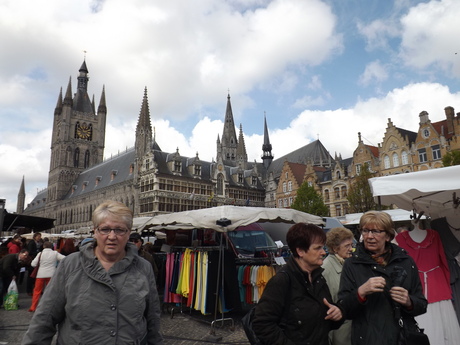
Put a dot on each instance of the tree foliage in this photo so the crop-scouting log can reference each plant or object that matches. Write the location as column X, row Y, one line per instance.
column 451, row 158
column 310, row 201
column 360, row 196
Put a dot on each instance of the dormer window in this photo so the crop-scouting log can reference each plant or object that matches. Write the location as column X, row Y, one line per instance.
column 254, row 180
column 98, row 179
column 113, row 174
column 177, row 166
column 197, row 170
column 240, row 178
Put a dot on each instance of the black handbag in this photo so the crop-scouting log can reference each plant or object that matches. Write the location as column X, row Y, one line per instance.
column 410, row 333
column 247, row 326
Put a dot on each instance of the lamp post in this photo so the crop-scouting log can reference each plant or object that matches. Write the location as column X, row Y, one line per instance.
column 2, row 213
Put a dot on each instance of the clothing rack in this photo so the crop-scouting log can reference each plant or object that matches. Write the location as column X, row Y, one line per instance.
column 220, row 285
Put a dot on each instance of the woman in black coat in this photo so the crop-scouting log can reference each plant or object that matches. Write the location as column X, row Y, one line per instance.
column 379, row 283
column 296, row 305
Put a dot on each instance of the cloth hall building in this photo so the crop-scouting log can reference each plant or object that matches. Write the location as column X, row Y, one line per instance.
column 151, row 181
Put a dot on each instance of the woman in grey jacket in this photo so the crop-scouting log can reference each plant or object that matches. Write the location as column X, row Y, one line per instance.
column 104, row 294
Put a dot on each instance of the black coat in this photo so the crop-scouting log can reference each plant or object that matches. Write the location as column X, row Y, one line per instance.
column 374, row 320
column 305, row 322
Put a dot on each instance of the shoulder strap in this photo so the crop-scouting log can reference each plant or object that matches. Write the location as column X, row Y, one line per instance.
column 287, row 300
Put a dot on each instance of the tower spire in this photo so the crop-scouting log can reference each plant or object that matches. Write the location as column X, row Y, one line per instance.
column 267, row 156
column 229, row 140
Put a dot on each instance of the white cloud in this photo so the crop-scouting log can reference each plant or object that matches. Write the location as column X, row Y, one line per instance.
column 430, row 37
column 375, row 71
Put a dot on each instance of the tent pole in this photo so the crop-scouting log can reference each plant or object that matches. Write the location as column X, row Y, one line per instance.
column 380, row 203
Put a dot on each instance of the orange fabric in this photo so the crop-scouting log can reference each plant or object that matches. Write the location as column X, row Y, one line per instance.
column 40, row 284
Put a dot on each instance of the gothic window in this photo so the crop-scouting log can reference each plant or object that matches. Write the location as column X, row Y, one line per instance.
column 386, row 162
column 436, row 152
column 76, row 157
column 404, row 158
column 220, row 184
column 344, row 191
column 395, row 160
column 337, row 174
column 422, row 155
column 68, row 156
column 228, row 155
column 337, row 192
column 147, row 164
column 86, row 163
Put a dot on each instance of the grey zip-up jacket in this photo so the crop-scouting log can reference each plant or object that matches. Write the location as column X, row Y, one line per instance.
column 89, row 305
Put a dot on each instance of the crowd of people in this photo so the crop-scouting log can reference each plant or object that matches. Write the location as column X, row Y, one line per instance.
column 335, row 289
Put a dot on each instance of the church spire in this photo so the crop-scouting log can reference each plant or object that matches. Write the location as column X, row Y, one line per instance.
column 21, row 198
column 229, row 141
column 143, row 129
column 267, row 156
column 241, row 154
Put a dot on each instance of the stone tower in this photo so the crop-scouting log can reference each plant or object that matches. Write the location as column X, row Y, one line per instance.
column 78, row 136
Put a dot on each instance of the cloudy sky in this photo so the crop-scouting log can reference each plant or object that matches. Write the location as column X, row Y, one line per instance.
column 318, row 69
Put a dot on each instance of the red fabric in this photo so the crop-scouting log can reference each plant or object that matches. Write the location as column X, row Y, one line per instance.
column 13, row 248
column 430, row 258
column 40, row 284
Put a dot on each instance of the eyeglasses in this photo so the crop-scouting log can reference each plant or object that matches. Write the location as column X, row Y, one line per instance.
column 133, row 240
column 372, row 231
column 118, row 232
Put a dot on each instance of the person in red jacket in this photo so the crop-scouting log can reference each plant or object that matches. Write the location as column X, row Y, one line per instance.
column 15, row 246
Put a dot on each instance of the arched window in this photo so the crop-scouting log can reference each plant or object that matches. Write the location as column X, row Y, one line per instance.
column 86, row 163
column 404, row 158
column 395, row 160
column 220, row 184
column 386, row 162
column 76, row 157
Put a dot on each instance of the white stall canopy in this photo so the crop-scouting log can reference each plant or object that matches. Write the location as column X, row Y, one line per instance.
column 228, row 218
column 436, row 191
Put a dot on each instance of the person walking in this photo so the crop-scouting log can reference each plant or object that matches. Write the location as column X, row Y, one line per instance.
column 103, row 294
column 47, row 260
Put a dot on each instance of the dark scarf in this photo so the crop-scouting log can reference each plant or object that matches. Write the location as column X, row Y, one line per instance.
column 382, row 259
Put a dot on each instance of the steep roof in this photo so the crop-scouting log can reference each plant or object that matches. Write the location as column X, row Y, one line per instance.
column 313, row 152
column 412, row 136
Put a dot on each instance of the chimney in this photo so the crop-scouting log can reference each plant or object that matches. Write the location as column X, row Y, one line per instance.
column 424, row 117
column 450, row 114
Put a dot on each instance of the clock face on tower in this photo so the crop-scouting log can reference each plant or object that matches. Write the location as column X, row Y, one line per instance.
column 84, row 131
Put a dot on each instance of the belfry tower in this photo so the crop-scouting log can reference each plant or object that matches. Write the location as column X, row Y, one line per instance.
column 78, row 136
